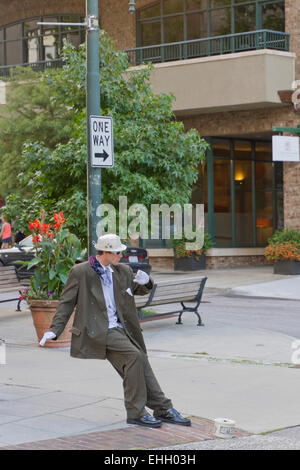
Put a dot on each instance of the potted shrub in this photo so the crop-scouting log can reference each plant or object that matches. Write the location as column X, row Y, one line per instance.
column 284, row 250
column 190, row 260
column 55, row 252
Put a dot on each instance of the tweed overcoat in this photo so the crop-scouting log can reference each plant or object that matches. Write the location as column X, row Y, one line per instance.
column 83, row 292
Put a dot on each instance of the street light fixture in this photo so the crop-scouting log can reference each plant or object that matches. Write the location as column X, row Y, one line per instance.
column 131, row 6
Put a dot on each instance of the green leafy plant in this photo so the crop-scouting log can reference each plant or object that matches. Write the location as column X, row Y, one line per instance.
column 32, row 112
column 180, row 250
column 283, row 245
column 56, row 251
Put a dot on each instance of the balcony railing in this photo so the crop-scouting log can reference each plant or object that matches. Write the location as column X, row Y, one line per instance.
column 37, row 66
column 252, row 40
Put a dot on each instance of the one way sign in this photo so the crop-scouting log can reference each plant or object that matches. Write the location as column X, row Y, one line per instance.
column 102, row 142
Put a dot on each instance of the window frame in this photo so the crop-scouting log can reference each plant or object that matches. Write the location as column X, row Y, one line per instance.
column 209, row 9
column 79, row 30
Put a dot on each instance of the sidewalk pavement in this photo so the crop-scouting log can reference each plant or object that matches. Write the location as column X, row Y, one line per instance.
column 251, row 281
column 51, row 401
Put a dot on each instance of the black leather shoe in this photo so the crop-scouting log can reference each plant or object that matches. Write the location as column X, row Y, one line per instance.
column 146, row 420
column 172, row 416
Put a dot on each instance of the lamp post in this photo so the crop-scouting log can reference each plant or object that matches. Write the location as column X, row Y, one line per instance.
column 93, row 108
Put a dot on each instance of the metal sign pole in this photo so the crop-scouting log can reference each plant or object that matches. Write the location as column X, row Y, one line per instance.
column 92, row 108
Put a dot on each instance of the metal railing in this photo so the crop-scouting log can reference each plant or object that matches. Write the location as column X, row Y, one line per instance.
column 5, row 70
column 252, row 40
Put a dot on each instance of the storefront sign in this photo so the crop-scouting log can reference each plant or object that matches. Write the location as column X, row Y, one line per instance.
column 285, row 148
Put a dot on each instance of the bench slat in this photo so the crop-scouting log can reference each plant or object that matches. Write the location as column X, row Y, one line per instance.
column 8, row 281
column 173, row 290
column 185, row 280
column 7, row 273
column 167, row 300
column 10, row 289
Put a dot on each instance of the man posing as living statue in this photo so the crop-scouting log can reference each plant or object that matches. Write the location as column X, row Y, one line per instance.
column 106, row 325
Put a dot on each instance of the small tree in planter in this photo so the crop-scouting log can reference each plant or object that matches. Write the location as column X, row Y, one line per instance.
column 190, row 260
column 284, row 250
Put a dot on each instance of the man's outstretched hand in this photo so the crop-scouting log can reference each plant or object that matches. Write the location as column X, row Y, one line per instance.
column 47, row 335
column 141, row 278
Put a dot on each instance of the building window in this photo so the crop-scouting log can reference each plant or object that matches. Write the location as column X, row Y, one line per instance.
column 180, row 20
column 28, row 42
column 247, row 192
column 1, row 48
column 13, row 35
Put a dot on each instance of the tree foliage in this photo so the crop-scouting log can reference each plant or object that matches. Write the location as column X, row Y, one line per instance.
column 32, row 113
column 156, row 161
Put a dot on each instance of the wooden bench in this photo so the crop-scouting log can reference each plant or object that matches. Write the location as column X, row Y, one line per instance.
column 10, row 282
column 175, row 291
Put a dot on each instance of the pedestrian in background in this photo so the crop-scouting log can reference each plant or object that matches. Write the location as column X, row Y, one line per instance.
column 106, row 326
column 5, row 233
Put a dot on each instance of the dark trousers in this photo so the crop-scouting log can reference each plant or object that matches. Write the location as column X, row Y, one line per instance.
column 140, row 385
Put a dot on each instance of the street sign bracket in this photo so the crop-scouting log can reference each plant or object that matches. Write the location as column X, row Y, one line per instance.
column 291, row 130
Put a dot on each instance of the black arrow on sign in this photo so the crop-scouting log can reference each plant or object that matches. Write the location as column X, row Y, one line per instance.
column 103, row 155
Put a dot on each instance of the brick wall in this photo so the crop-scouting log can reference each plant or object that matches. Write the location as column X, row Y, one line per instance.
column 220, row 262
column 164, row 263
column 15, row 10
column 291, row 184
column 242, row 122
column 292, row 21
column 118, row 22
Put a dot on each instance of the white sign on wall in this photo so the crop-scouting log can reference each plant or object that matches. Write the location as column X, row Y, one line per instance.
column 102, row 142
column 285, row 148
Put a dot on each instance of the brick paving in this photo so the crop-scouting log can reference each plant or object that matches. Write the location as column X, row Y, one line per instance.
column 130, row 438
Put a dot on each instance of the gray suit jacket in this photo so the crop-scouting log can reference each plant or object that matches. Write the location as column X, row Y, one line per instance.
column 83, row 292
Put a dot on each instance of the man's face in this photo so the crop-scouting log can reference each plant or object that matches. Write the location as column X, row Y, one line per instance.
column 109, row 257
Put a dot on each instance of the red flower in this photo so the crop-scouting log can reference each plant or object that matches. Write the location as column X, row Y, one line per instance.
column 46, row 228
column 37, row 224
column 59, row 219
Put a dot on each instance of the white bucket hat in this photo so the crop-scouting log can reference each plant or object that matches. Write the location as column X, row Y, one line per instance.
column 110, row 242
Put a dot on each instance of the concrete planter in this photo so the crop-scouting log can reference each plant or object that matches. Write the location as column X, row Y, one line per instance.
column 42, row 312
column 287, row 266
column 190, row 263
